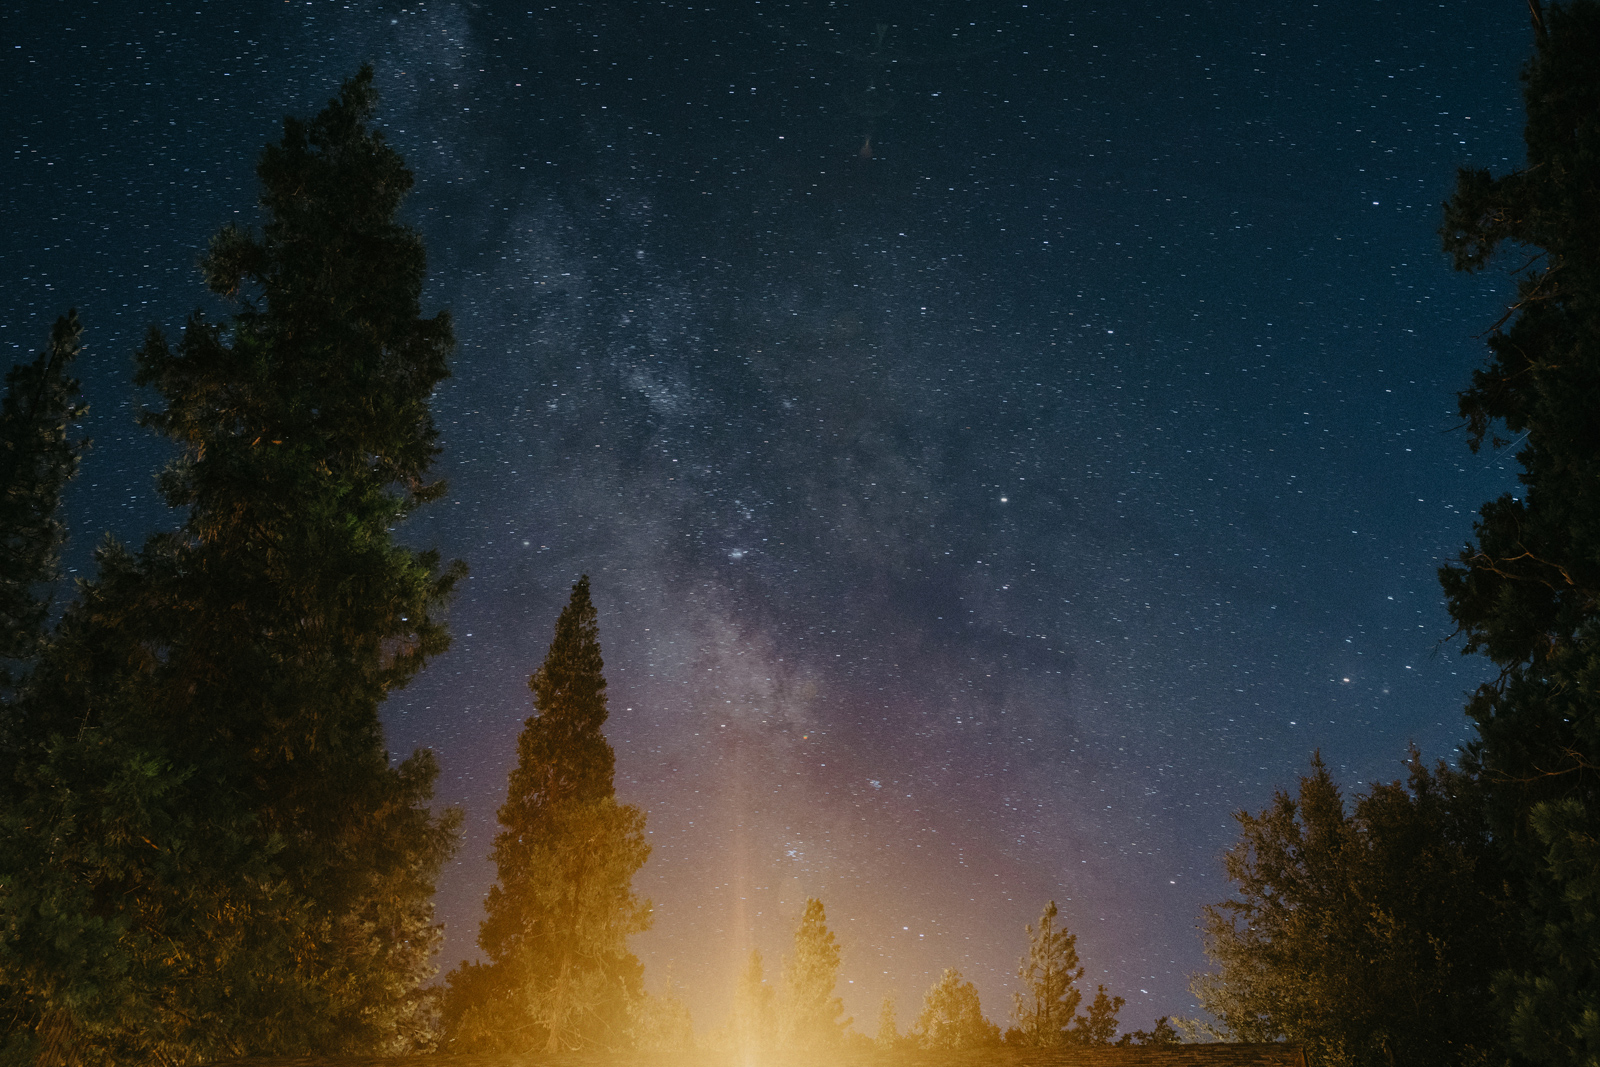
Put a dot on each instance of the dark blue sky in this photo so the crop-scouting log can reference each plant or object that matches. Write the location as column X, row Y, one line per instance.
column 975, row 520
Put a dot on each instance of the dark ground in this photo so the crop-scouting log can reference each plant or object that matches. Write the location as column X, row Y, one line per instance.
column 1213, row 1055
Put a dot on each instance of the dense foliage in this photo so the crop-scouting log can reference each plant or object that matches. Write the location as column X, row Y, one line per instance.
column 205, row 850
column 1370, row 934
column 888, row 1035
column 660, row 1022
column 809, row 1012
column 952, row 1017
column 755, row 1014
column 37, row 459
column 559, row 974
column 1526, row 591
column 1098, row 1024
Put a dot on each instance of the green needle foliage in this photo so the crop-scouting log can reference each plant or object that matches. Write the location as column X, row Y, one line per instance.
column 205, row 850
column 37, row 459
column 1371, row 935
column 559, row 975
column 1526, row 591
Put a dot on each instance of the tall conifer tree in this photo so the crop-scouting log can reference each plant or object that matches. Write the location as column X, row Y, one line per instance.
column 810, row 1011
column 1526, row 592
column 37, row 459
column 1049, row 974
column 208, row 852
column 888, row 1035
column 559, row 975
column 754, row 1011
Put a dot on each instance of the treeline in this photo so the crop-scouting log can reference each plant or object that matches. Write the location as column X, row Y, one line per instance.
column 206, row 851
column 801, row 1015
column 1454, row 918
column 558, row 974
column 1044, row 1012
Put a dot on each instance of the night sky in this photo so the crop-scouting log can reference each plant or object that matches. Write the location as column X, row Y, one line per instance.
column 1004, row 439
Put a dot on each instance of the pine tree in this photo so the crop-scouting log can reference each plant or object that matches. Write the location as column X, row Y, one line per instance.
column 952, row 1017
column 1370, row 935
column 1098, row 1025
column 754, row 1011
column 37, row 459
column 1049, row 974
column 888, row 1036
column 208, row 852
column 560, row 975
column 1526, row 592
column 810, row 1011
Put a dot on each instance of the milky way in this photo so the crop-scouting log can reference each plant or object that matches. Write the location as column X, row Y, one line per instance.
column 1003, row 440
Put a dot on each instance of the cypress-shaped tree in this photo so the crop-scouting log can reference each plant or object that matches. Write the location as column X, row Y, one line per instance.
column 754, row 1011
column 810, row 1012
column 559, row 975
column 209, row 853
column 888, row 1035
column 1526, row 591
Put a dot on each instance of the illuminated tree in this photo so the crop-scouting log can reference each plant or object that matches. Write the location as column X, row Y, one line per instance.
column 754, row 1011
column 1370, row 935
column 560, row 974
column 952, row 1018
column 661, row 1023
column 810, row 1011
column 206, row 851
column 888, row 1036
column 1049, row 974
column 1526, row 591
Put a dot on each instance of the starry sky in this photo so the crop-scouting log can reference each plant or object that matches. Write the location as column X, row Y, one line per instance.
column 1004, row 438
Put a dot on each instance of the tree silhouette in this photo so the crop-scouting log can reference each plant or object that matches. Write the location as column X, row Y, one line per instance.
column 206, row 850
column 37, row 459
column 1372, row 935
column 1526, row 591
column 560, row 974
